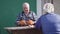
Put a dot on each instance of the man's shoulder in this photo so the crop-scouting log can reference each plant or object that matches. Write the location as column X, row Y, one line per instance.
column 32, row 12
column 20, row 13
column 55, row 15
column 44, row 16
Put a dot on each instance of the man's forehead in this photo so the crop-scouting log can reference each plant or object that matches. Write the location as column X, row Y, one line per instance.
column 25, row 5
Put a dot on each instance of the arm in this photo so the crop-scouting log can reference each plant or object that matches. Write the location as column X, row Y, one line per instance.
column 38, row 24
column 34, row 17
column 20, row 21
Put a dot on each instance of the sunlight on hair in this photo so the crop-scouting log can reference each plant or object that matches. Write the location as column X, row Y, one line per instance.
column 48, row 7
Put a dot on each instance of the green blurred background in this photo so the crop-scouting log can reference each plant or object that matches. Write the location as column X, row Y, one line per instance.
column 9, row 10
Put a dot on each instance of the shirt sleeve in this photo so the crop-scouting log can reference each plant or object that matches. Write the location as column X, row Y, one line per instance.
column 18, row 18
column 34, row 17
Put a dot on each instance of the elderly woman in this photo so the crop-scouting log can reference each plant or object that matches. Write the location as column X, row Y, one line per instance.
column 26, row 17
column 50, row 22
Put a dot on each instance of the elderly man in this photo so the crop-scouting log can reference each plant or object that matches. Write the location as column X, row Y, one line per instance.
column 27, row 17
column 50, row 22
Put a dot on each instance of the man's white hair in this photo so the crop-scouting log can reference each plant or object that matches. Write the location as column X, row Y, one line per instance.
column 26, row 4
column 48, row 7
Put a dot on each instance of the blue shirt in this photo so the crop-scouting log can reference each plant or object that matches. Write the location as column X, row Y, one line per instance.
column 22, row 16
column 50, row 23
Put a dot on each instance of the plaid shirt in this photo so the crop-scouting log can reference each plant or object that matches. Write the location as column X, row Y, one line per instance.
column 22, row 16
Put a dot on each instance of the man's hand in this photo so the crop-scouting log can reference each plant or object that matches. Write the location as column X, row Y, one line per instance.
column 30, row 22
column 22, row 22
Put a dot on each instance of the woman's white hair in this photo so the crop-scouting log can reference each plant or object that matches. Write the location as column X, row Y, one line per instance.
column 48, row 7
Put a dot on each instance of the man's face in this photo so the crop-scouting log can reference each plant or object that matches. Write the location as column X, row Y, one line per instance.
column 26, row 8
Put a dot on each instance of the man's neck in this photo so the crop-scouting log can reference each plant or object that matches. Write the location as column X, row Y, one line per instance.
column 26, row 13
